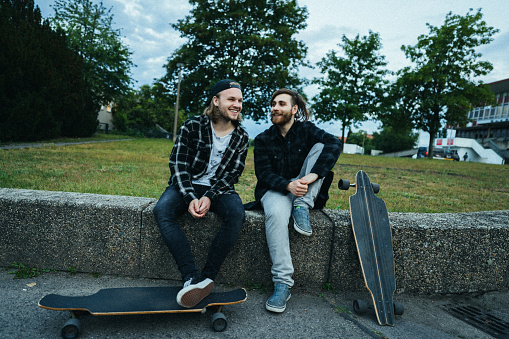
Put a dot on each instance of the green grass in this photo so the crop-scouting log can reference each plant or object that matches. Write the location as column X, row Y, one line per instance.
column 22, row 271
column 139, row 167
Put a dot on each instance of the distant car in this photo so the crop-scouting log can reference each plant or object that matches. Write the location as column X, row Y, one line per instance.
column 422, row 152
column 445, row 154
column 452, row 154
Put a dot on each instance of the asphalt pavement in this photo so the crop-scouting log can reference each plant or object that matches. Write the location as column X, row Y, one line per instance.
column 314, row 313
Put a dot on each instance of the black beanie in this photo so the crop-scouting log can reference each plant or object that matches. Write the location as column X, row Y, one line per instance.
column 221, row 86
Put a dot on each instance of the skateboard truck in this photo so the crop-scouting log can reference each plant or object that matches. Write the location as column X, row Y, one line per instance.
column 344, row 184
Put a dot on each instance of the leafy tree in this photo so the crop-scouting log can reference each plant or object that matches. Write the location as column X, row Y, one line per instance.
column 42, row 92
column 360, row 138
column 145, row 108
column 441, row 87
column 353, row 86
column 398, row 128
column 250, row 41
column 89, row 30
column 399, row 107
column 388, row 140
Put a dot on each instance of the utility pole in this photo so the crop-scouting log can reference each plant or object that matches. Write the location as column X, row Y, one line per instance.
column 179, row 65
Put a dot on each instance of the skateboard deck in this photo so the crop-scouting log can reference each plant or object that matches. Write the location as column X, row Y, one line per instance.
column 137, row 300
column 373, row 239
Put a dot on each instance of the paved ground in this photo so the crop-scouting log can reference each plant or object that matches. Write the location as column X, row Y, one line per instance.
column 310, row 314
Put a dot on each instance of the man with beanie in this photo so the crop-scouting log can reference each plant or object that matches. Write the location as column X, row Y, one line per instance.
column 205, row 163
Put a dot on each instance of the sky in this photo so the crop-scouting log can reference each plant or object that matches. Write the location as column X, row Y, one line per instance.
column 146, row 31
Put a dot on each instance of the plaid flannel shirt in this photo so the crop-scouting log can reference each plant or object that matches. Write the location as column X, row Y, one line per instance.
column 278, row 159
column 189, row 158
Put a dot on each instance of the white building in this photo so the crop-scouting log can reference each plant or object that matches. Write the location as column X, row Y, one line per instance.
column 475, row 152
column 352, row 149
column 105, row 118
column 489, row 126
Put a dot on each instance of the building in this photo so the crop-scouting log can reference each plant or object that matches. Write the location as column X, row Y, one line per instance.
column 472, row 148
column 105, row 118
column 489, row 127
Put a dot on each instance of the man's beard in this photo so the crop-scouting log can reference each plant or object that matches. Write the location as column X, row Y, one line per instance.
column 224, row 115
column 281, row 119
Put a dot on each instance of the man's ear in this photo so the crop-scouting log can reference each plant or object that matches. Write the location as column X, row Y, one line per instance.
column 215, row 100
column 295, row 109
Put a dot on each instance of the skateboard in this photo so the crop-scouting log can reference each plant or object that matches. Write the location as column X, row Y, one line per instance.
column 373, row 239
column 137, row 300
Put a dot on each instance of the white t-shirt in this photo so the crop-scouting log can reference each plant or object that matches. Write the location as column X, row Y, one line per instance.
column 219, row 145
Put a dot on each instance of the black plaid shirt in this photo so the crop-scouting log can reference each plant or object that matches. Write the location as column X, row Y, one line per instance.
column 278, row 159
column 189, row 158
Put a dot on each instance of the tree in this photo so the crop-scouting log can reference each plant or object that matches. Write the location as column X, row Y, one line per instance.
column 353, row 86
column 143, row 109
column 250, row 41
column 388, row 140
column 89, row 31
column 360, row 138
column 441, row 86
column 42, row 92
column 399, row 107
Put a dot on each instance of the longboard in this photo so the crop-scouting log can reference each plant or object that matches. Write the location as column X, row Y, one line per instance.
column 373, row 239
column 137, row 300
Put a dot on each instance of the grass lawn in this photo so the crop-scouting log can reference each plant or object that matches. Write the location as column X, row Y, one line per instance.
column 139, row 167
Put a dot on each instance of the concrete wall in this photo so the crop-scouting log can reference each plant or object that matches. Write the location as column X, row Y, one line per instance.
column 434, row 253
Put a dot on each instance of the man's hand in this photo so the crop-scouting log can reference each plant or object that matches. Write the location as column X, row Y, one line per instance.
column 309, row 179
column 198, row 208
column 299, row 187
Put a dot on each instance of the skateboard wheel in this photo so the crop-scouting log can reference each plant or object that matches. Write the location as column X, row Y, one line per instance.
column 360, row 306
column 219, row 322
column 375, row 187
column 399, row 309
column 343, row 184
column 71, row 329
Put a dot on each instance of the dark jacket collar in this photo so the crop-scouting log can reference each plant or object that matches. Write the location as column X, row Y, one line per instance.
column 275, row 132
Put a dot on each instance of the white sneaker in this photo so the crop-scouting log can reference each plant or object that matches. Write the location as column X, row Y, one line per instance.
column 193, row 292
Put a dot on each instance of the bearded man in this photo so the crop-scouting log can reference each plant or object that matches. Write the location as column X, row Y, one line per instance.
column 291, row 159
column 206, row 161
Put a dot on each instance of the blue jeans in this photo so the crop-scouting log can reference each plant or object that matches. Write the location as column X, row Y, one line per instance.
column 171, row 206
column 277, row 208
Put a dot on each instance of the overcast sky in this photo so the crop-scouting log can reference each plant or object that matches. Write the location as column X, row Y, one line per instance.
column 145, row 26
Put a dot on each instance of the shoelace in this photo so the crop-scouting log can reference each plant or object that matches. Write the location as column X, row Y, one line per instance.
column 187, row 283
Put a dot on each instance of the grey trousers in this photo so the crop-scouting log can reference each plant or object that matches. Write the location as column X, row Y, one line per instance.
column 278, row 210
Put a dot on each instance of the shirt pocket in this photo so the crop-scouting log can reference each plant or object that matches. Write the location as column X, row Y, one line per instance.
column 201, row 155
column 277, row 160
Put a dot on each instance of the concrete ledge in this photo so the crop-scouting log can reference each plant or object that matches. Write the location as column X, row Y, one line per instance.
column 249, row 261
column 434, row 253
column 59, row 230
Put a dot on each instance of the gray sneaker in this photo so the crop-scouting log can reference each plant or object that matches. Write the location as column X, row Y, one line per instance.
column 277, row 301
column 301, row 220
column 194, row 291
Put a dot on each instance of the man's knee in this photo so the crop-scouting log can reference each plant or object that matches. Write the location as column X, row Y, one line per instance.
column 277, row 216
column 316, row 150
column 277, row 206
column 237, row 214
column 158, row 209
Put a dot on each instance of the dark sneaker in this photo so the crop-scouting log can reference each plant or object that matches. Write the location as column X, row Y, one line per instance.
column 194, row 291
column 277, row 302
column 301, row 220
